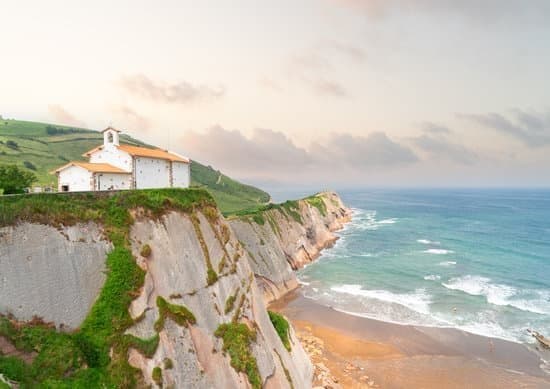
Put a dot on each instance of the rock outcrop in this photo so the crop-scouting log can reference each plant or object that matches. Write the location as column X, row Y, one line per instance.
column 197, row 308
column 177, row 271
column 287, row 237
column 54, row 274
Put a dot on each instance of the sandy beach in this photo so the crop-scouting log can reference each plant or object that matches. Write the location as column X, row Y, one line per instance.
column 356, row 352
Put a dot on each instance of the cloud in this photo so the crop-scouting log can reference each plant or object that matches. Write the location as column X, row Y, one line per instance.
column 471, row 9
column 530, row 128
column 354, row 53
column 360, row 152
column 439, row 147
column 433, row 128
column 314, row 70
column 269, row 155
column 62, row 116
column 131, row 119
column 178, row 93
column 310, row 60
column 436, row 143
column 327, row 87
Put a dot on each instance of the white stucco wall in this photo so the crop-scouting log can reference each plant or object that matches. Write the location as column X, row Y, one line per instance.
column 111, row 181
column 78, row 179
column 181, row 174
column 113, row 156
column 152, row 173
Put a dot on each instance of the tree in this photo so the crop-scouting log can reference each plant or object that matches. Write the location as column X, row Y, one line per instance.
column 14, row 180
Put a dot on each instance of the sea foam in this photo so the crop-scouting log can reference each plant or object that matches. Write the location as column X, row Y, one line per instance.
column 438, row 251
column 500, row 294
column 426, row 241
column 418, row 301
column 432, row 277
column 447, row 263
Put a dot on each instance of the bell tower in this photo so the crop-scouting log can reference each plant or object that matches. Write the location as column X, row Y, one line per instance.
column 111, row 137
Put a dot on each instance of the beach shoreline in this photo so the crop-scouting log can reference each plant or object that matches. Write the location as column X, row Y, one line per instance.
column 352, row 352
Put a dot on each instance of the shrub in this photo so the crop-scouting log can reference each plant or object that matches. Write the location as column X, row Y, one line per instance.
column 29, row 165
column 14, row 180
column 178, row 313
column 146, row 251
column 157, row 376
column 211, row 277
column 236, row 342
column 282, row 328
column 230, row 302
column 168, row 364
column 12, row 145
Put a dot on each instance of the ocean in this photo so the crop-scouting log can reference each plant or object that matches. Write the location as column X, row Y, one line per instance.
column 476, row 260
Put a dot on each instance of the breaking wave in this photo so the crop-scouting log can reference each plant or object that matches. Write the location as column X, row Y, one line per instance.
column 426, row 241
column 447, row 263
column 439, row 251
column 432, row 277
column 500, row 294
column 366, row 220
column 419, row 301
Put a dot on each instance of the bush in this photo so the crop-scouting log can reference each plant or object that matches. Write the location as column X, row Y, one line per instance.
column 236, row 342
column 212, row 277
column 146, row 251
column 178, row 313
column 168, row 364
column 14, row 180
column 29, row 165
column 157, row 376
column 282, row 328
column 12, row 145
column 230, row 302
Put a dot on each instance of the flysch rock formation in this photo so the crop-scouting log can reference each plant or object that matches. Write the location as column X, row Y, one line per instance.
column 176, row 271
column 54, row 274
column 283, row 244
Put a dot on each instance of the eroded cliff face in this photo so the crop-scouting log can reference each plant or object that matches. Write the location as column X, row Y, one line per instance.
column 285, row 238
column 51, row 273
column 177, row 270
column 197, row 308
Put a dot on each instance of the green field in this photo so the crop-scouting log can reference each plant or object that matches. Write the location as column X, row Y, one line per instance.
column 43, row 147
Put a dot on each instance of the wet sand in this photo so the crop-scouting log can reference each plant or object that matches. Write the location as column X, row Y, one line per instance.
column 360, row 351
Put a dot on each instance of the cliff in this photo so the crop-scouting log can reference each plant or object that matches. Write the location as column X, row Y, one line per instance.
column 135, row 289
column 153, row 288
column 285, row 237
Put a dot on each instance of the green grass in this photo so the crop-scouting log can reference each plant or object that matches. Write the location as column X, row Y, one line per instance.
column 177, row 313
column 84, row 358
column 230, row 195
column 237, row 338
column 156, row 375
column 282, row 328
column 290, row 208
column 317, row 202
column 47, row 152
column 230, row 302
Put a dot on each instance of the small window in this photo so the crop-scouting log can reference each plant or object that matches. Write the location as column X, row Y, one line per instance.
column 110, row 137
column 64, row 188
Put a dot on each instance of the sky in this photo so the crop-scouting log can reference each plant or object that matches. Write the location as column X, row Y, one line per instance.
column 309, row 93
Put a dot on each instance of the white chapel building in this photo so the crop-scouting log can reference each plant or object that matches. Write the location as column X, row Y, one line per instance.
column 113, row 166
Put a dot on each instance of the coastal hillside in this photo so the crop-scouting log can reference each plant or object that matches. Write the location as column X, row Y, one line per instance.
column 42, row 147
column 281, row 238
column 148, row 288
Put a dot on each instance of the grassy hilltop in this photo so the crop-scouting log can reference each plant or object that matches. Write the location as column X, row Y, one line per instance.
column 42, row 147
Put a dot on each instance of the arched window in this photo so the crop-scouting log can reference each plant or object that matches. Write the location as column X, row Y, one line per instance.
column 110, row 137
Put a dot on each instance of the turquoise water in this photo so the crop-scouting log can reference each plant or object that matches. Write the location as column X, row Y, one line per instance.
column 478, row 260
